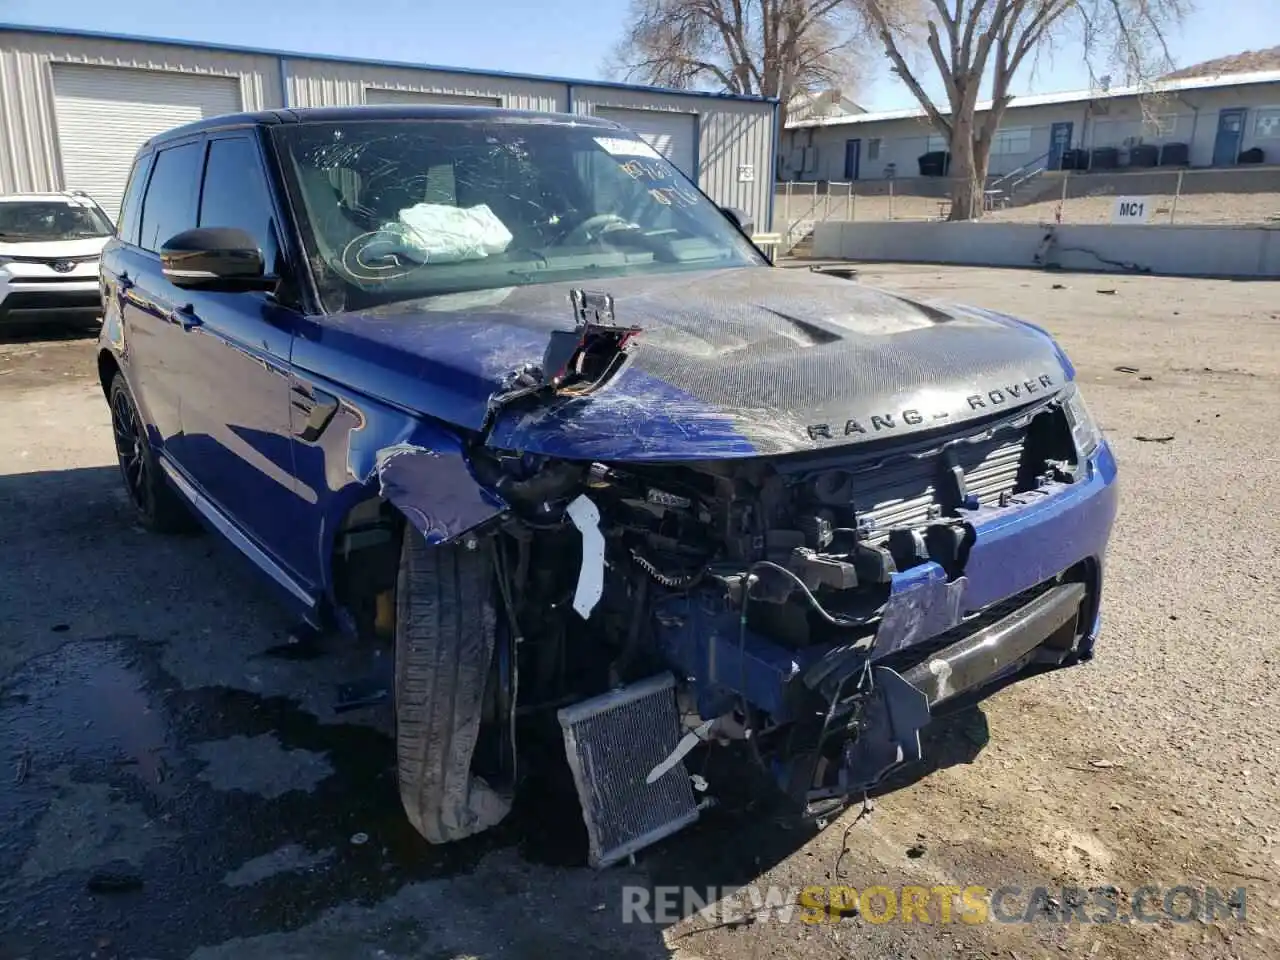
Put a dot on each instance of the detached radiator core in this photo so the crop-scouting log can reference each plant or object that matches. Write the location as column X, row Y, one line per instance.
column 612, row 742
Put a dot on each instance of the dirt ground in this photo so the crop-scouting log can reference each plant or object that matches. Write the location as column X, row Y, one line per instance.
column 174, row 781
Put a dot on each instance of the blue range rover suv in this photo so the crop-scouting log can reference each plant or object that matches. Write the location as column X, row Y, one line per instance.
column 507, row 392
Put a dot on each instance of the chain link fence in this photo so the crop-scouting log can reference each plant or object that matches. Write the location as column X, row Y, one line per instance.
column 1244, row 195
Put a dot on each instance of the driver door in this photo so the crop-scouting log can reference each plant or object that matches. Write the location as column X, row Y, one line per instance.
column 235, row 407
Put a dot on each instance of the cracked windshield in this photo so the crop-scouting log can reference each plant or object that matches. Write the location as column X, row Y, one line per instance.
column 403, row 209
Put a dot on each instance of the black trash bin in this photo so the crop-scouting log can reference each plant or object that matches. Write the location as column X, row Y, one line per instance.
column 1144, row 155
column 1104, row 158
column 1175, row 155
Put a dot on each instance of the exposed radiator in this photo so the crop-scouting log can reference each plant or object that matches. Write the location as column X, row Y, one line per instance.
column 905, row 493
column 612, row 742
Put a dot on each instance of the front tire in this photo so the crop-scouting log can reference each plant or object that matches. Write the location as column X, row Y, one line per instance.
column 444, row 644
column 159, row 507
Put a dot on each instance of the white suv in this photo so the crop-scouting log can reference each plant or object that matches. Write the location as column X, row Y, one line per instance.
column 49, row 249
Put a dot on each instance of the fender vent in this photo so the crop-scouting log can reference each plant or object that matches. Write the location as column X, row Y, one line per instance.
column 612, row 742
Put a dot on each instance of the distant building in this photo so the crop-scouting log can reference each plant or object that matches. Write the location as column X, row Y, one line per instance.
column 1205, row 121
column 822, row 103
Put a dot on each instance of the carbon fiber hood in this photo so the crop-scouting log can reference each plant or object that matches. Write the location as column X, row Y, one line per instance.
column 732, row 363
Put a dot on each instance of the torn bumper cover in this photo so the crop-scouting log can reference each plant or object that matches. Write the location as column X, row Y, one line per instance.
column 901, row 705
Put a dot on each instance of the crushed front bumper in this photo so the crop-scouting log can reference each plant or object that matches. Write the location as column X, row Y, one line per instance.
column 973, row 661
column 1029, row 593
column 1005, row 610
column 1018, row 548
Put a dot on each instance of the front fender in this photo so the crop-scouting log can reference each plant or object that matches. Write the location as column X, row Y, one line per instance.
column 428, row 479
column 368, row 449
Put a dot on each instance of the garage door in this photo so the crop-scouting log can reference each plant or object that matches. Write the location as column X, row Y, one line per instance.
column 104, row 114
column 374, row 95
column 673, row 135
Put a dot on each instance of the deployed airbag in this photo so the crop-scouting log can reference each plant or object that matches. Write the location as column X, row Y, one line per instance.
column 440, row 233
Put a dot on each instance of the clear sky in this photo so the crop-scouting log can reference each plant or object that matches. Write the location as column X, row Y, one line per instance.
column 559, row 37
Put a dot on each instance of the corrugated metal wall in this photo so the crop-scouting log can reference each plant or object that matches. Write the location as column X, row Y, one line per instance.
column 28, row 143
column 732, row 134
column 326, row 83
column 735, row 137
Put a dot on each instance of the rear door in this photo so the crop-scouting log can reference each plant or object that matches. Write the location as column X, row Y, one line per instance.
column 152, row 309
column 235, row 410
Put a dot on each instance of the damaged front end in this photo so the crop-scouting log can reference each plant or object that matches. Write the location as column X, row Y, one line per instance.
column 817, row 608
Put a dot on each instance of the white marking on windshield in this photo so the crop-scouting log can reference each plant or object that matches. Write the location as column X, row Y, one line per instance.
column 616, row 146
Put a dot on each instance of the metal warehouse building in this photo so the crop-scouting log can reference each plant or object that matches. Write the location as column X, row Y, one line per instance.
column 74, row 106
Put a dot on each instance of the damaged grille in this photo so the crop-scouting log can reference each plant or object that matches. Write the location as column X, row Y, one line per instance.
column 910, row 492
column 612, row 742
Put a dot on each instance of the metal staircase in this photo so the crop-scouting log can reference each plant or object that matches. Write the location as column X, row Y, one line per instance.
column 1015, row 186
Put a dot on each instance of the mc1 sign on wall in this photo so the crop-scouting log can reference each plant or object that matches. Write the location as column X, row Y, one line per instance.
column 1131, row 210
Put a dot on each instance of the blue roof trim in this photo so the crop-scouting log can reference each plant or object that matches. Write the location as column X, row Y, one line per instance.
column 364, row 61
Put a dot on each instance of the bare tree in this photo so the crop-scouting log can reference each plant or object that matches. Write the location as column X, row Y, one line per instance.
column 970, row 41
column 771, row 48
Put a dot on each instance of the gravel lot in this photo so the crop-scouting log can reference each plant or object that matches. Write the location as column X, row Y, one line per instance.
column 174, row 782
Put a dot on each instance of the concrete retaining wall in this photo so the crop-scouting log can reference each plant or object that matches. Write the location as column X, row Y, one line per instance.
column 1190, row 251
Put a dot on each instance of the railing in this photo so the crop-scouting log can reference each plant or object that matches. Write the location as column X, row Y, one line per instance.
column 1245, row 194
column 1021, row 175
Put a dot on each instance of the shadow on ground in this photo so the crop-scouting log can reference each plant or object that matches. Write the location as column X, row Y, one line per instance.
column 26, row 332
column 176, row 776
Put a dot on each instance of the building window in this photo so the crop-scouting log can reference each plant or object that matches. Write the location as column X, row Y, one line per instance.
column 936, row 143
column 1014, row 140
column 873, row 148
column 1164, row 125
column 1266, row 124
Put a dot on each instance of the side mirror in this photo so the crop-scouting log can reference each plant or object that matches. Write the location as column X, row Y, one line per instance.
column 741, row 218
column 214, row 258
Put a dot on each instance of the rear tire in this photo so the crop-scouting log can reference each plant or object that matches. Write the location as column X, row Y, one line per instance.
column 159, row 507
column 444, row 641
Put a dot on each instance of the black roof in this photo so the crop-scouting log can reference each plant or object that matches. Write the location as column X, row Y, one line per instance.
column 414, row 111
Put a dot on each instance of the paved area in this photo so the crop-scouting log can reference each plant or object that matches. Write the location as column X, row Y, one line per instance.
column 175, row 783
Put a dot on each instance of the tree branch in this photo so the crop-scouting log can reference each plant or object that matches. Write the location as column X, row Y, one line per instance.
column 944, row 69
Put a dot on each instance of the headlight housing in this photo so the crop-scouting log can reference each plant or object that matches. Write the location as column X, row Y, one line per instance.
column 1084, row 430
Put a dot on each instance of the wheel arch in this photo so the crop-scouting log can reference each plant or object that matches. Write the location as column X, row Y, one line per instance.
column 108, row 367
column 425, row 485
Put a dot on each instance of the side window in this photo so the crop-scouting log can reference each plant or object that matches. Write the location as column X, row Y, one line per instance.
column 170, row 204
column 127, row 223
column 235, row 193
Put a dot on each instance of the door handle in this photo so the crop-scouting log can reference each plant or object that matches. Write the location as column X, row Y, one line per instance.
column 185, row 317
